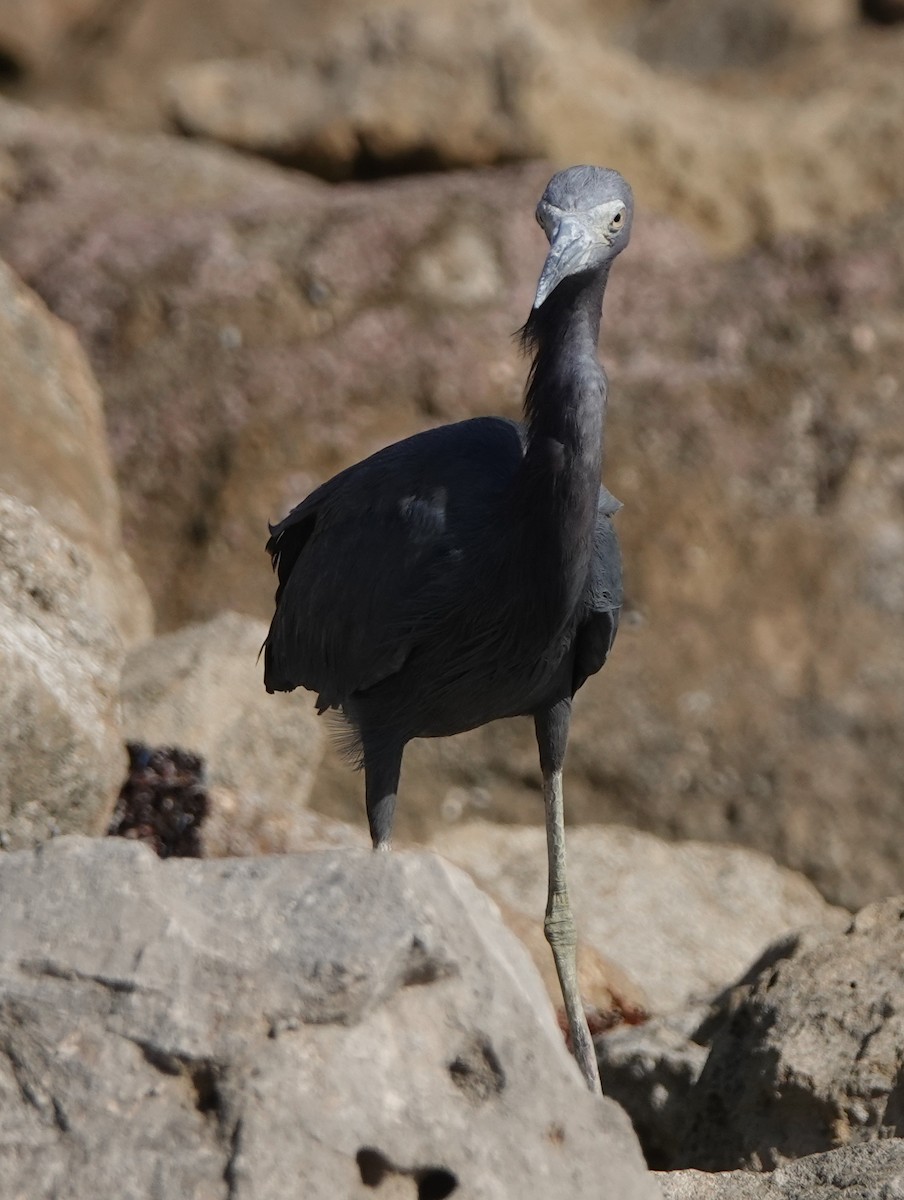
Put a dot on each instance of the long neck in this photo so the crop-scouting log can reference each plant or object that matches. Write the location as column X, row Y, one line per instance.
column 565, row 394
column 564, row 410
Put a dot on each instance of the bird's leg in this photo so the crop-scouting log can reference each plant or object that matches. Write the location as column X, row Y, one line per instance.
column 552, row 737
column 382, row 766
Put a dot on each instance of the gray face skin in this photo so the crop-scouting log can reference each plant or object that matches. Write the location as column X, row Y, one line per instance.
column 586, row 213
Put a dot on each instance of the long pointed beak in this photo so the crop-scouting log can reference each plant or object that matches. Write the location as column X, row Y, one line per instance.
column 569, row 251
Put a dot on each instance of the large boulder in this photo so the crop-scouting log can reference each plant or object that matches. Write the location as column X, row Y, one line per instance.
column 683, row 920
column 201, row 688
column 335, row 1021
column 706, row 36
column 867, row 1172
column 61, row 758
column 397, row 92
column 366, row 86
column 54, row 454
column 813, row 1058
column 248, row 348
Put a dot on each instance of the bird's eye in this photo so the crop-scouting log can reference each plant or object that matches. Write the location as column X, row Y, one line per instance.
column 617, row 220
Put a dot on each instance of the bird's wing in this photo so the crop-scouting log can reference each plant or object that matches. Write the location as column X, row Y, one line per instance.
column 358, row 561
column 599, row 624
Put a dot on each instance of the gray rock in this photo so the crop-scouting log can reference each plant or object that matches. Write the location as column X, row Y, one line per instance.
column 867, row 1172
column 813, row 1058
column 54, row 454
column 61, row 755
column 703, row 36
column 651, row 1069
column 202, row 688
column 329, row 1022
column 684, row 920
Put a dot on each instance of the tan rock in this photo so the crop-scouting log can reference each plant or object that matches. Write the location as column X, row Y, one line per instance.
column 54, row 454
column 396, row 91
column 201, row 688
column 256, row 331
column 61, row 755
column 247, row 823
column 682, row 920
column 813, row 1057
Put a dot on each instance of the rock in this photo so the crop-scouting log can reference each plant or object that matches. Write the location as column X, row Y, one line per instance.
column 813, row 1058
column 54, row 454
column 346, row 109
column 201, row 688
column 365, row 87
column 865, row 1172
column 341, row 1018
column 32, row 31
column 683, row 920
column 415, row 87
column 650, row 1069
column 61, row 757
column 753, row 435
column 243, row 824
column 714, row 35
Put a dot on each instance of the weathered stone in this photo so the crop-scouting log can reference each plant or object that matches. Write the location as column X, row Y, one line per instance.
column 868, row 1172
column 651, row 1069
column 333, row 1021
column 54, row 454
column 683, row 920
column 398, row 91
column 201, row 688
column 248, row 348
column 714, row 35
column 790, row 149
column 813, row 1057
column 32, row 32
column 61, row 758
column 251, row 823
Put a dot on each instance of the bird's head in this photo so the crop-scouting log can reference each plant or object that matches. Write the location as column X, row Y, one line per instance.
column 586, row 213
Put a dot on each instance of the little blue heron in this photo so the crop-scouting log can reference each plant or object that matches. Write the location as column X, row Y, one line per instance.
column 472, row 572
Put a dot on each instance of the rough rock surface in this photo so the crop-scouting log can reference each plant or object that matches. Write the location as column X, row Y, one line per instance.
column 201, row 688
column 736, row 158
column 650, row 1069
column 247, row 349
column 243, row 823
column 736, row 163
column 867, row 1172
column 706, row 36
column 61, row 757
column 346, row 1020
column 813, row 1058
column 54, row 454
column 683, row 920
column 395, row 93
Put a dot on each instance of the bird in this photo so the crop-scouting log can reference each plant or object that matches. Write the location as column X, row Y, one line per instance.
column 472, row 571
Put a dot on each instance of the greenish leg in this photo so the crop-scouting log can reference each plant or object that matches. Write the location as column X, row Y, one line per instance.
column 559, row 926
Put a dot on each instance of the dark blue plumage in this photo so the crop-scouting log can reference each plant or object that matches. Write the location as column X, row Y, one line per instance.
column 472, row 572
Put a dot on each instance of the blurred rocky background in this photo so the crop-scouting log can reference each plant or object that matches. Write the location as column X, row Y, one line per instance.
column 244, row 245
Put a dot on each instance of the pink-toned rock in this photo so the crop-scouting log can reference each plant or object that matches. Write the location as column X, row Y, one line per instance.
column 255, row 331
